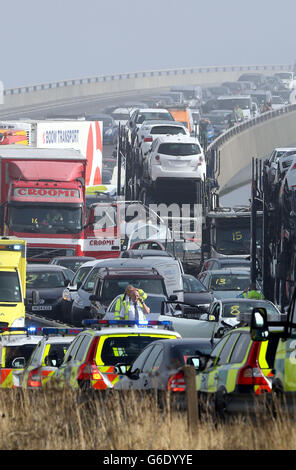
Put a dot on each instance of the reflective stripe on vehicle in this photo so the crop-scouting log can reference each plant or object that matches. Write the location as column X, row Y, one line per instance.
column 6, row 378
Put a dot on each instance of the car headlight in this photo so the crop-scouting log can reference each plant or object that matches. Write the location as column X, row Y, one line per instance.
column 18, row 322
column 67, row 295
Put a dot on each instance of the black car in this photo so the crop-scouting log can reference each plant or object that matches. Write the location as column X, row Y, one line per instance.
column 159, row 367
column 71, row 262
column 226, row 263
column 195, row 293
column 110, row 128
column 50, row 281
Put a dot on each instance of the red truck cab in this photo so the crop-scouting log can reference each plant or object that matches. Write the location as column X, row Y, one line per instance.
column 43, row 199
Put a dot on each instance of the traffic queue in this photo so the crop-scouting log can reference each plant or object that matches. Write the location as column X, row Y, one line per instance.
column 134, row 317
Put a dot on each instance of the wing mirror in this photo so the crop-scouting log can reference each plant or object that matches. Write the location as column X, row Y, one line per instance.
column 259, row 326
column 18, row 363
column 121, row 369
column 193, row 361
column 173, row 298
column 207, row 317
column 53, row 360
column 94, row 298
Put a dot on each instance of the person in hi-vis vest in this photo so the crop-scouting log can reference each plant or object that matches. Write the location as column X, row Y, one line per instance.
column 134, row 308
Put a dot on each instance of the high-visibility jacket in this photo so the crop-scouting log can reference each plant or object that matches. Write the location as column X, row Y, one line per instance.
column 253, row 294
column 120, row 302
column 118, row 306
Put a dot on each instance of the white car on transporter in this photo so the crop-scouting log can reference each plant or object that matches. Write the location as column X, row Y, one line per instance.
column 175, row 157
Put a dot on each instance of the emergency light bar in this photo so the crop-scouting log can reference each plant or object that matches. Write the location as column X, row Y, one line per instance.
column 11, row 247
column 126, row 322
column 31, row 330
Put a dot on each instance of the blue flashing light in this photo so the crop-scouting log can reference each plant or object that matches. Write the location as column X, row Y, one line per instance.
column 31, row 330
column 89, row 322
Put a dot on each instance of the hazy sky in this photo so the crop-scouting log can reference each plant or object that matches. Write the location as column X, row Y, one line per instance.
column 44, row 40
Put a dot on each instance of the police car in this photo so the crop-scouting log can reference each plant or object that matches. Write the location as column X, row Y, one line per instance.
column 15, row 350
column 46, row 357
column 237, row 374
column 283, row 334
column 90, row 359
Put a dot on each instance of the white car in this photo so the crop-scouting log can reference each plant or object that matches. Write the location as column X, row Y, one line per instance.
column 150, row 130
column 138, row 116
column 289, row 181
column 279, row 159
column 121, row 116
column 175, row 157
column 288, row 79
column 277, row 102
column 147, row 114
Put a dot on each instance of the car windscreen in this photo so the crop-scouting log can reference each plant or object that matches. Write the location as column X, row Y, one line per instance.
column 12, row 352
column 284, row 75
column 124, row 349
column 151, row 116
column 277, row 100
column 71, row 264
column 216, row 119
column 226, row 281
column 235, row 264
column 120, row 117
column 233, row 240
column 179, row 149
column 193, row 285
column 45, row 219
column 81, row 274
column 10, row 287
column 114, row 287
column 233, row 309
column 230, row 103
column 44, row 279
column 167, row 130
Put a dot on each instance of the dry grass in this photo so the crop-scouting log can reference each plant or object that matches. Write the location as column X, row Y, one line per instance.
column 65, row 421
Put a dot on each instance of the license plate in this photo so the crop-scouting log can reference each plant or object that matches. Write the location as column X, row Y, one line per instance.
column 42, row 307
column 179, row 162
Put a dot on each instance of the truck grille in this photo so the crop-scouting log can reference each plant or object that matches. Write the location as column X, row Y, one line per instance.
column 46, row 253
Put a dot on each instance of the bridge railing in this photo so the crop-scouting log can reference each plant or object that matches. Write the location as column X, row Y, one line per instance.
column 239, row 128
column 144, row 74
